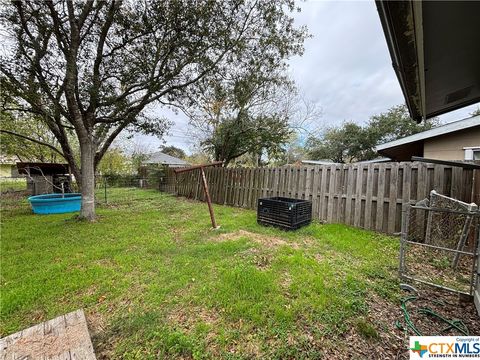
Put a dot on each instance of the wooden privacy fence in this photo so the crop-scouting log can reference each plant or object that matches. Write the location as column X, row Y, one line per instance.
column 368, row 196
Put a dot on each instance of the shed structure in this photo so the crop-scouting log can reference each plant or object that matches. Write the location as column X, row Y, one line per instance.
column 45, row 178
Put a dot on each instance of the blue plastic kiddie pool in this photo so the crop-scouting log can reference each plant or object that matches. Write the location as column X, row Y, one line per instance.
column 55, row 203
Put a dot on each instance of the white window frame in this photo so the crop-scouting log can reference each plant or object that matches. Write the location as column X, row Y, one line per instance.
column 469, row 152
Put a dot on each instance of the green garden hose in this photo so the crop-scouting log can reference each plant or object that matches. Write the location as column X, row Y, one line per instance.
column 406, row 315
column 453, row 323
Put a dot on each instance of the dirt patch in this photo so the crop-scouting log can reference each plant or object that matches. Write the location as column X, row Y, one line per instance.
column 186, row 318
column 247, row 347
column 261, row 258
column 38, row 316
column 435, row 266
column 386, row 341
column 103, row 342
column 265, row 240
column 286, row 281
column 446, row 304
column 97, row 323
column 106, row 262
column 262, row 261
column 319, row 258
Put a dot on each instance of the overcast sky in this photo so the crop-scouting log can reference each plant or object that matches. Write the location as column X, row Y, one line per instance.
column 346, row 68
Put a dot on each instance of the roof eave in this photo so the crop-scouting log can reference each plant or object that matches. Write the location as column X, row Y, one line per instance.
column 399, row 17
column 455, row 126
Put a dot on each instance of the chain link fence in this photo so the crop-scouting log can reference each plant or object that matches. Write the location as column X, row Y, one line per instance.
column 110, row 191
column 37, row 184
column 439, row 245
column 108, row 188
column 122, row 189
column 11, row 184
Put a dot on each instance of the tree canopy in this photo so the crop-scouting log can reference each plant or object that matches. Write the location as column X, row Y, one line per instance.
column 174, row 151
column 342, row 144
column 247, row 115
column 352, row 142
column 95, row 67
column 115, row 162
column 33, row 141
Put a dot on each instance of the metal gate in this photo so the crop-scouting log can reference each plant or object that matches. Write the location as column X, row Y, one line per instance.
column 476, row 294
column 440, row 247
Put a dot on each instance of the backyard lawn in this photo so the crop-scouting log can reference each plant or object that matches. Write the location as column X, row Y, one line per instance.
column 156, row 282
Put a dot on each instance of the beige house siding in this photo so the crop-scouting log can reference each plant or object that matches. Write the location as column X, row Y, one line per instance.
column 450, row 146
column 6, row 170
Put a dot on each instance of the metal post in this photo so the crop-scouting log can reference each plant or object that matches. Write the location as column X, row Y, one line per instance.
column 175, row 185
column 476, row 277
column 404, row 238
column 105, row 187
column 463, row 239
column 207, row 196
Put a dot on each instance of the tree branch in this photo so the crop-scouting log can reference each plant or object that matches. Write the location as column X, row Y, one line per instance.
column 99, row 57
column 32, row 140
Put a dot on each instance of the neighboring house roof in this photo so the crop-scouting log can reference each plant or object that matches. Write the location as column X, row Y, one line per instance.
column 37, row 168
column 438, row 131
column 8, row 160
column 416, row 140
column 164, row 159
column 373, row 161
column 434, row 52
column 318, row 162
column 328, row 162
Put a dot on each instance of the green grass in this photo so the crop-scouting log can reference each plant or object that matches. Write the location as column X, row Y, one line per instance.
column 156, row 282
column 366, row 329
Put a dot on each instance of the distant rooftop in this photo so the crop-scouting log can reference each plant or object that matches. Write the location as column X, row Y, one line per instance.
column 164, row 159
column 44, row 169
column 438, row 131
column 374, row 161
column 328, row 162
column 9, row 160
column 318, row 162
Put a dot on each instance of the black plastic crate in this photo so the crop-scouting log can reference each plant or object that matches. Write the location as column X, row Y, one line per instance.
column 285, row 213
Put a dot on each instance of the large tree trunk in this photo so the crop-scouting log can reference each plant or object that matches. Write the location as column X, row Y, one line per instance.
column 87, row 152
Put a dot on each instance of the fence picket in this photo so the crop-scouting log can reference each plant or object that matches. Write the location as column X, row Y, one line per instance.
column 368, row 197
column 392, row 205
column 358, row 197
column 380, row 197
column 362, row 195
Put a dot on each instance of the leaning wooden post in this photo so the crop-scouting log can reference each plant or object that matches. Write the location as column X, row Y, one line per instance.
column 207, row 196
column 205, row 186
